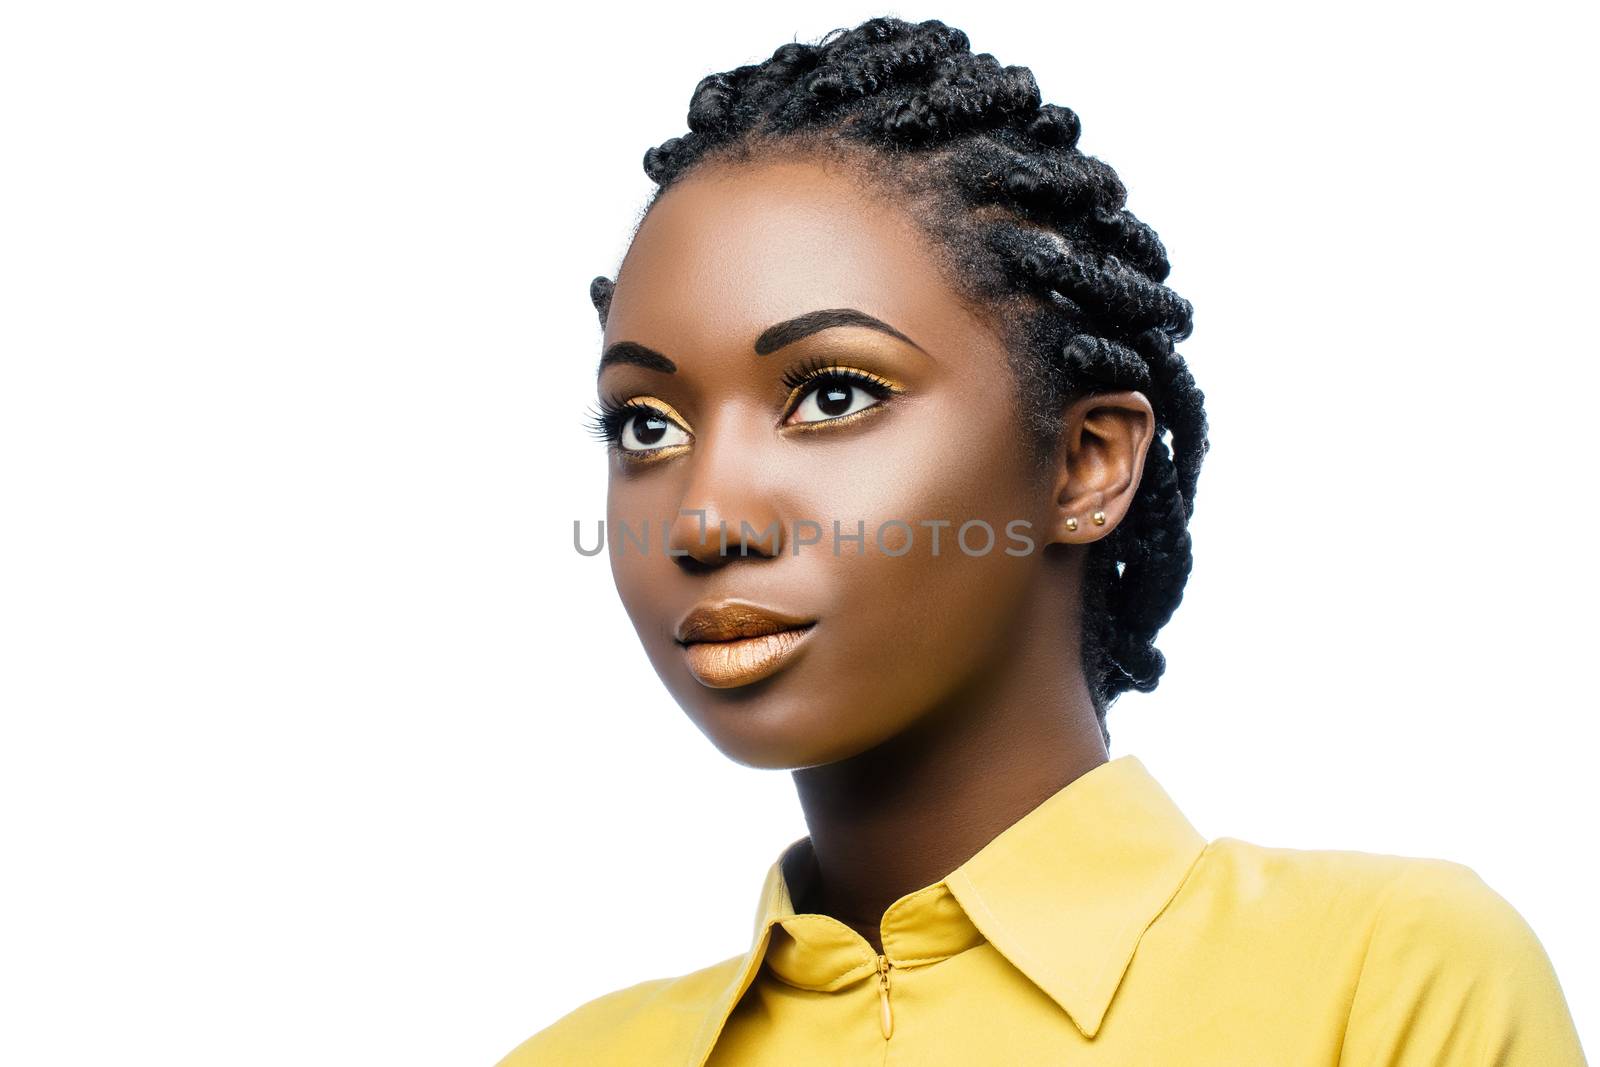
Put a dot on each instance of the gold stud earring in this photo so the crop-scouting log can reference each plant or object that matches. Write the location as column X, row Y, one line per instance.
column 1099, row 518
column 1072, row 522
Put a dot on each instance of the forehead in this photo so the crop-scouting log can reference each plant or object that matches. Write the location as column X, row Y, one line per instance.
column 734, row 248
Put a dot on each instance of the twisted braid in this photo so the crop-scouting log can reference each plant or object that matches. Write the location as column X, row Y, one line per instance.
column 1030, row 230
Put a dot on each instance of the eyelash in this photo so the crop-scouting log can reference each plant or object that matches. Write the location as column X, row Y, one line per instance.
column 821, row 369
column 612, row 415
column 607, row 422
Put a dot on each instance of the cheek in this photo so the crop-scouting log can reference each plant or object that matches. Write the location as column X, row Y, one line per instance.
column 912, row 619
column 627, row 573
column 634, row 513
column 940, row 478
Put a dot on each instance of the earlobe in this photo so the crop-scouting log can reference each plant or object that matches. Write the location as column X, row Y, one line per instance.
column 1070, row 523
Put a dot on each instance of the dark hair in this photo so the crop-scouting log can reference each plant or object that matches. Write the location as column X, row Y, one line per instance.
column 1032, row 232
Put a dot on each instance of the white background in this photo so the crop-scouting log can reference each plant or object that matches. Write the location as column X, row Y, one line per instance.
column 322, row 745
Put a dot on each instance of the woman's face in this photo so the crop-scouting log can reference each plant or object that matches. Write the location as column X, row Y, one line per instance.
column 925, row 441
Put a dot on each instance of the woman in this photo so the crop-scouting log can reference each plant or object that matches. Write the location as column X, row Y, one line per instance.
column 887, row 375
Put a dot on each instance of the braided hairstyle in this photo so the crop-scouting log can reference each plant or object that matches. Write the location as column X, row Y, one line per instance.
column 1029, row 231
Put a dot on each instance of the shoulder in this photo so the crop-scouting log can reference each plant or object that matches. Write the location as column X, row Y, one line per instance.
column 1454, row 974
column 1443, row 969
column 1434, row 907
column 625, row 1025
column 1326, row 891
column 1421, row 905
column 1407, row 893
column 1441, row 927
column 1251, row 868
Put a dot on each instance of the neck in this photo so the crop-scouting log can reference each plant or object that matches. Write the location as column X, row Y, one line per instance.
column 902, row 815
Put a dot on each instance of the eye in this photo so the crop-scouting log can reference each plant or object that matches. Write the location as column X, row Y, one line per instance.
column 834, row 392
column 638, row 426
column 648, row 428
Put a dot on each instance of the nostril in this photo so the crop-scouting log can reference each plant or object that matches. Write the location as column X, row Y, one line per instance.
column 691, row 565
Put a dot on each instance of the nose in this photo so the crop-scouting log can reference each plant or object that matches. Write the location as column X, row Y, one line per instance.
column 726, row 512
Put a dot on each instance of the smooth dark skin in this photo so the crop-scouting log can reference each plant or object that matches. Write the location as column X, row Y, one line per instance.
column 940, row 698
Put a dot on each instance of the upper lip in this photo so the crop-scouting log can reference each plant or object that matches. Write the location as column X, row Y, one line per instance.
column 731, row 620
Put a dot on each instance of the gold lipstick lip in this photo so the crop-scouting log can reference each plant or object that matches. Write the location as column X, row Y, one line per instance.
column 735, row 620
column 730, row 664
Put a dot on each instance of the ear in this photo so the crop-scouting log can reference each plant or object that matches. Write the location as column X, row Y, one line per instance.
column 1098, row 463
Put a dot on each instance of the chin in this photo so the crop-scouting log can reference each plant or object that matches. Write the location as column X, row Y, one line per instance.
column 773, row 734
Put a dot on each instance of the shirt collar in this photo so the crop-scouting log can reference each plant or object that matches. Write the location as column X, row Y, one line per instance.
column 1065, row 893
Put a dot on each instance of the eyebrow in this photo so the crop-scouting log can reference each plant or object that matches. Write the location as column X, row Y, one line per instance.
column 774, row 337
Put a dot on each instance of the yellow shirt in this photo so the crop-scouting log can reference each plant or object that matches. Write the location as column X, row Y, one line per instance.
column 1102, row 928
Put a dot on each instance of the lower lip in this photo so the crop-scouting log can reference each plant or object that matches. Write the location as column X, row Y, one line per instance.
column 726, row 664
